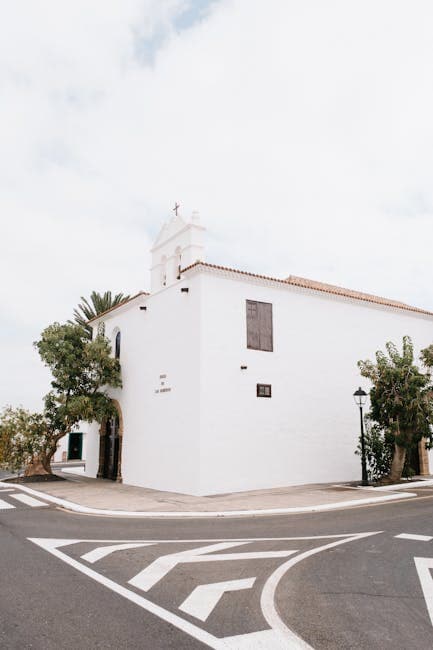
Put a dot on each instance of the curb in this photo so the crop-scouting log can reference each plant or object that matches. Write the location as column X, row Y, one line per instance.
column 402, row 486
column 75, row 507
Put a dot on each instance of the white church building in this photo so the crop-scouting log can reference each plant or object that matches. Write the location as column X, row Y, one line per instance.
column 238, row 381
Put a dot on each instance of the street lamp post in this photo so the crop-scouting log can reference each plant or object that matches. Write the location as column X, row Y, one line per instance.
column 360, row 397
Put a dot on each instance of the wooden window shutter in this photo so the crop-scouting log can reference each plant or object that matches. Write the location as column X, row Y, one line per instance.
column 253, row 338
column 265, row 326
column 259, row 326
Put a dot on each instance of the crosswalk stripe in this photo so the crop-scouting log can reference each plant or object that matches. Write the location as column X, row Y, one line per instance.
column 4, row 505
column 28, row 500
column 416, row 538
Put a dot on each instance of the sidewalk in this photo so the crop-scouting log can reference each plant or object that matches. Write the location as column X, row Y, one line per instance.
column 103, row 497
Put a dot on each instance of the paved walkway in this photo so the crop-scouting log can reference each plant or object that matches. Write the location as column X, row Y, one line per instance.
column 110, row 497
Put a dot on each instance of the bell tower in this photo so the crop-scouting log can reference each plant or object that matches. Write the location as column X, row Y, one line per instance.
column 179, row 244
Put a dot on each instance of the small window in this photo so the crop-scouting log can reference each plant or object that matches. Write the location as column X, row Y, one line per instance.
column 259, row 326
column 264, row 390
column 117, row 346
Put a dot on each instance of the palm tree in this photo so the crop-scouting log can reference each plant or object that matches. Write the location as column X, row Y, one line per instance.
column 97, row 304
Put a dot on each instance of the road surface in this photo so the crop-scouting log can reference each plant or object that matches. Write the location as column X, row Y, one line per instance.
column 358, row 578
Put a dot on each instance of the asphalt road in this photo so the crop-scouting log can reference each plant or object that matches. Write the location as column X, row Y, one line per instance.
column 222, row 583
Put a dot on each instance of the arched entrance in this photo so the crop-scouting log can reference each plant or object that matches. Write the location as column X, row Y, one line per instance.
column 110, row 448
column 418, row 459
column 413, row 460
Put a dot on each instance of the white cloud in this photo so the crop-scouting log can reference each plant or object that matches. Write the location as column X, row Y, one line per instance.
column 300, row 129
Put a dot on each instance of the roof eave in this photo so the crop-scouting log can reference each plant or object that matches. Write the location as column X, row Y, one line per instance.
column 297, row 282
column 95, row 319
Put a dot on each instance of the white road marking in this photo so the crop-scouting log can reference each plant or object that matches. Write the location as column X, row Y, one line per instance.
column 423, row 566
column 416, row 538
column 152, row 574
column 203, row 600
column 52, row 546
column 51, row 543
column 263, row 640
column 279, row 638
column 64, row 542
column 267, row 600
column 29, row 501
column 102, row 551
column 4, row 505
column 6, row 490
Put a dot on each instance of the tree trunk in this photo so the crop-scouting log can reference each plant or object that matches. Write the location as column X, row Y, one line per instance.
column 37, row 467
column 40, row 464
column 396, row 466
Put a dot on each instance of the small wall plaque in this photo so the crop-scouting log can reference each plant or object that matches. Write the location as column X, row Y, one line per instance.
column 162, row 388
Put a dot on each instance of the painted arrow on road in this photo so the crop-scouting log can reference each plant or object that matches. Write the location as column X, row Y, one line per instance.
column 277, row 636
column 152, row 574
column 203, row 600
column 102, row 551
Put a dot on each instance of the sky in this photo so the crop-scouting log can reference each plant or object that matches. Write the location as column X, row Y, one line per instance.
column 301, row 130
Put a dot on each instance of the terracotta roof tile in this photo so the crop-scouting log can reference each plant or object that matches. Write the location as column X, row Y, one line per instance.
column 341, row 291
column 319, row 286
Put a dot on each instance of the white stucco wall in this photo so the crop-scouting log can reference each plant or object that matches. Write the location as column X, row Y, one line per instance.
column 160, row 429
column 210, row 433
column 91, row 457
column 308, row 430
column 62, row 448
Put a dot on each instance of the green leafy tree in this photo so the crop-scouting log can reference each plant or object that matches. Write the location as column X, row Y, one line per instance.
column 82, row 371
column 401, row 400
column 97, row 304
column 22, row 437
column 379, row 447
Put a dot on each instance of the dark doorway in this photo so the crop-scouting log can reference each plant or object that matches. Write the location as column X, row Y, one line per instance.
column 75, row 447
column 413, row 460
column 111, row 452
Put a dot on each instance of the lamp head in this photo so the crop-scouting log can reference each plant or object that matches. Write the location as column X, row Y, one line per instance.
column 360, row 397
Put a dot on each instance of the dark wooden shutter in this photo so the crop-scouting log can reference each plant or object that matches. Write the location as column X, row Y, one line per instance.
column 253, row 338
column 259, row 326
column 265, row 326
